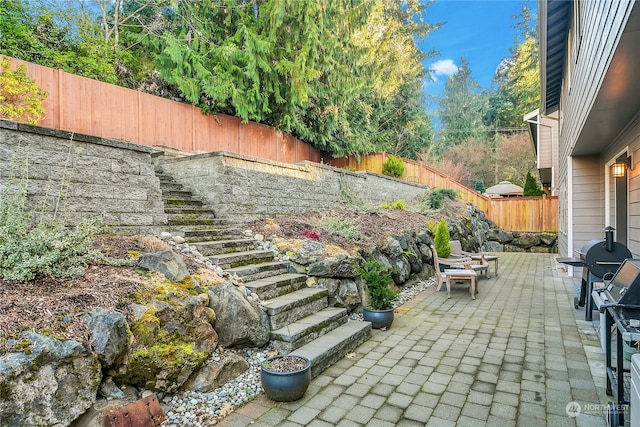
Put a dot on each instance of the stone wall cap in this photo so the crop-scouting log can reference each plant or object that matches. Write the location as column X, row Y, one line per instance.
column 91, row 139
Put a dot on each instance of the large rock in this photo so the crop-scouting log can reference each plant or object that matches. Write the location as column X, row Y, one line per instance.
column 526, row 240
column 401, row 268
column 348, row 294
column 339, row 266
column 239, row 322
column 170, row 341
column 51, row 383
column 216, row 373
column 499, row 236
column 109, row 334
column 167, row 262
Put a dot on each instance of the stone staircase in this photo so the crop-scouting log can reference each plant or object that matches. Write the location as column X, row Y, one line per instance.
column 301, row 321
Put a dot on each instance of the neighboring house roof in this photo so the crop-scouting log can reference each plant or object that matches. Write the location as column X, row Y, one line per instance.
column 554, row 18
column 504, row 188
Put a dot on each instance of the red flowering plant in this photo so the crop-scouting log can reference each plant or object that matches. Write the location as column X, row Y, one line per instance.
column 311, row 234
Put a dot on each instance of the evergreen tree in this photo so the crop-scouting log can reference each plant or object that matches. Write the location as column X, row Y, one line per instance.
column 461, row 109
column 531, row 187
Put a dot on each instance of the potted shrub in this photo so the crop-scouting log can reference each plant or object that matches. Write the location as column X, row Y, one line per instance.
column 381, row 297
column 285, row 378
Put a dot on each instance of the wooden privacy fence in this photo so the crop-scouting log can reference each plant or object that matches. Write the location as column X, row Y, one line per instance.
column 87, row 106
column 528, row 214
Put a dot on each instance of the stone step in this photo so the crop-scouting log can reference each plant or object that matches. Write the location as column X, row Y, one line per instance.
column 173, row 202
column 174, row 219
column 225, row 246
column 170, row 186
column 205, row 233
column 253, row 272
column 177, row 210
column 286, row 309
column 326, row 350
column 273, row 286
column 237, row 259
column 307, row 329
column 176, row 194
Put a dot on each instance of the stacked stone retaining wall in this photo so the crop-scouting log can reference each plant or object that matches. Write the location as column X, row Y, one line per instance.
column 247, row 188
column 79, row 177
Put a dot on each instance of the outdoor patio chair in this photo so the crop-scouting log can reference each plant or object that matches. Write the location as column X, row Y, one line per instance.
column 483, row 257
column 459, row 270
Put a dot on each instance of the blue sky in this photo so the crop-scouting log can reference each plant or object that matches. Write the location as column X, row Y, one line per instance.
column 480, row 30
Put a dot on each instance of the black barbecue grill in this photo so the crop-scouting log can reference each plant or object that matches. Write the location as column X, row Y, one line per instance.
column 620, row 301
column 599, row 259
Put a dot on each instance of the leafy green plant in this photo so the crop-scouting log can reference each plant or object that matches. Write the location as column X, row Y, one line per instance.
column 34, row 245
column 378, row 277
column 398, row 204
column 441, row 239
column 439, row 195
column 20, row 98
column 394, row 166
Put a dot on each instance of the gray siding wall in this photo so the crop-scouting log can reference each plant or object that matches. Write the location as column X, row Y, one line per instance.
column 81, row 176
column 630, row 138
column 246, row 188
column 589, row 54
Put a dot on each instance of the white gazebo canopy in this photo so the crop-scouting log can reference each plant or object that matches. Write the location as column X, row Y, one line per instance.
column 504, row 189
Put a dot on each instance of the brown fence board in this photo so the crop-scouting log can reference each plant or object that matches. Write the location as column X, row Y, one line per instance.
column 87, row 106
column 532, row 214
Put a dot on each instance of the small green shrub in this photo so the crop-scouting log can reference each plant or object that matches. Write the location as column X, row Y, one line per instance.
column 478, row 185
column 531, row 187
column 32, row 247
column 398, row 204
column 394, row 166
column 378, row 277
column 441, row 239
column 437, row 197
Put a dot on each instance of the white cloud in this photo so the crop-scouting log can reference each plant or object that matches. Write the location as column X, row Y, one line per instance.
column 444, row 67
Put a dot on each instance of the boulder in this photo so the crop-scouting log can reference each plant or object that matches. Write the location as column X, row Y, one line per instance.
column 540, row 249
column 348, row 295
column 167, row 262
column 216, row 373
column 51, row 382
column 493, row 247
column 499, row 236
column 170, row 341
column 339, row 266
column 109, row 334
column 549, row 239
column 526, row 240
column 239, row 322
column 401, row 268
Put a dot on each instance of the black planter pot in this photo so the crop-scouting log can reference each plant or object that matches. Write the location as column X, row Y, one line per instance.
column 379, row 318
column 285, row 386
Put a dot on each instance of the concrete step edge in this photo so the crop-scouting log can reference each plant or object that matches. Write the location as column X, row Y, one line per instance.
column 333, row 346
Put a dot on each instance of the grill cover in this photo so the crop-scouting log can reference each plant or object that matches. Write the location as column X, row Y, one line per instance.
column 601, row 261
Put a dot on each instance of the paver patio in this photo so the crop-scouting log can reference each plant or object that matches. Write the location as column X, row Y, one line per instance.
column 515, row 356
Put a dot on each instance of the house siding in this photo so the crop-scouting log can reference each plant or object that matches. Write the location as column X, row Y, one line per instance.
column 582, row 195
column 630, row 140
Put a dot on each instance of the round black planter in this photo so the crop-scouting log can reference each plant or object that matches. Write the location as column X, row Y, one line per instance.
column 285, row 386
column 379, row 318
